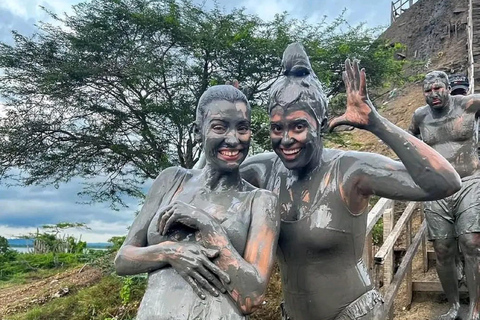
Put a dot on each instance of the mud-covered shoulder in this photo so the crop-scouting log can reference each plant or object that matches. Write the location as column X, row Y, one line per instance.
column 257, row 169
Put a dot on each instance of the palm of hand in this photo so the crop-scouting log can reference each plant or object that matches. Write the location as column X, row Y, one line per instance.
column 359, row 106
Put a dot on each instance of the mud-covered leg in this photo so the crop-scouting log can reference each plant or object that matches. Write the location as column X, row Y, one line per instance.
column 470, row 245
column 446, row 251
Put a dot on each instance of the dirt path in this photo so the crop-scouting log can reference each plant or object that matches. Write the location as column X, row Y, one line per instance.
column 19, row 298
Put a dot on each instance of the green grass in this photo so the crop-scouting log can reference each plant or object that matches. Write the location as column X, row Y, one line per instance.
column 19, row 267
column 99, row 302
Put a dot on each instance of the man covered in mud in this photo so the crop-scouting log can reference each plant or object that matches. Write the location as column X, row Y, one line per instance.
column 448, row 124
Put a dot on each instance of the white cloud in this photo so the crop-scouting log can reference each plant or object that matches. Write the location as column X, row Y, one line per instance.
column 32, row 8
column 267, row 9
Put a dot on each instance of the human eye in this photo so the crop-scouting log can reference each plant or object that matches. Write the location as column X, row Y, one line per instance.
column 218, row 128
column 275, row 128
column 299, row 127
column 243, row 129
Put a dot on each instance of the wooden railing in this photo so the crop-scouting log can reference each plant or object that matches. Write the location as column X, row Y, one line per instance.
column 471, row 62
column 383, row 258
column 398, row 7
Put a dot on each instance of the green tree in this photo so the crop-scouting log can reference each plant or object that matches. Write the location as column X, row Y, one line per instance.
column 110, row 91
column 3, row 245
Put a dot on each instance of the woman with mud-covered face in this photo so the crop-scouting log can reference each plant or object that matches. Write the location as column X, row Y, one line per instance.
column 205, row 231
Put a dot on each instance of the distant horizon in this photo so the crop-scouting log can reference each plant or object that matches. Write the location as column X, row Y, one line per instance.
column 24, row 243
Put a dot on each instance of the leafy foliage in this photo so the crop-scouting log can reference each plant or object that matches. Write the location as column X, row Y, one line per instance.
column 108, row 93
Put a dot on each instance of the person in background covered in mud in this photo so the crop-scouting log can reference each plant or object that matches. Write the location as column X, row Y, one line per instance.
column 205, row 229
column 449, row 125
column 324, row 193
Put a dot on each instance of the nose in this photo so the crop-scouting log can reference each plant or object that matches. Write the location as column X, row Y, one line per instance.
column 232, row 140
column 286, row 139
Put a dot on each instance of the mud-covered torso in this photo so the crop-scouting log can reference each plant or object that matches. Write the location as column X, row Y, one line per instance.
column 168, row 295
column 453, row 134
column 321, row 243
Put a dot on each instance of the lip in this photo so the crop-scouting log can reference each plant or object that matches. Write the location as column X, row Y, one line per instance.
column 290, row 154
column 229, row 155
column 436, row 102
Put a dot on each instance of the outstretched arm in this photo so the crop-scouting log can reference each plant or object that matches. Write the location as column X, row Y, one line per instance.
column 423, row 174
column 248, row 274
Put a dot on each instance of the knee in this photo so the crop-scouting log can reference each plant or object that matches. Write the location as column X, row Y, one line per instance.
column 445, row 251
column 470, row 244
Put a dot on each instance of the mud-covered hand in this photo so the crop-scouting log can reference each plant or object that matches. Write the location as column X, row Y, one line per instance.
column 192, row 262
column 359, row 107
column 184, row 213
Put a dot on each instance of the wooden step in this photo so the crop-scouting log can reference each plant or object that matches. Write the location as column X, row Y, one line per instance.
column 431, row 286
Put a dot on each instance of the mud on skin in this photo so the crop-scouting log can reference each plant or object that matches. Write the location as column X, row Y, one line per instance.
column 206, row 237
column 447, row 124
column 323, row 193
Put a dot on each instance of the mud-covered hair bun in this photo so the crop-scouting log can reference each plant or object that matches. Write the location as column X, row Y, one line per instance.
column 295, row 61
column 299, row 86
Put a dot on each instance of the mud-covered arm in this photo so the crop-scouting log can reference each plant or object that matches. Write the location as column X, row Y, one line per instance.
column 135, row 256
column 413, row 128
column 472, row 104
column 423, row 173
column 249, row 274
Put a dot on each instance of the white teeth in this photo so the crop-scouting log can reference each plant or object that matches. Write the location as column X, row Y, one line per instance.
column 289, row 152
column 229, row 153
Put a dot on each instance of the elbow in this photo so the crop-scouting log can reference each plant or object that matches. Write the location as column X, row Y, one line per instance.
column 455, row 185
column 250, row 304
column 119, row 264
column 450, row 184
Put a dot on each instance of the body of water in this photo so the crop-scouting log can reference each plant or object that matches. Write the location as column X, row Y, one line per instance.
column 30, row 249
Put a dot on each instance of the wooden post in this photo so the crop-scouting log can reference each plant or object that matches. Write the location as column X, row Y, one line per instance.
column 388, row 224
column 424, row 242
column 392, row 13
column 409, row 268
column 368, row 254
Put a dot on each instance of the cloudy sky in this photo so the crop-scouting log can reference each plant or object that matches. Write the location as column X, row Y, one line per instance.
column 23, row 209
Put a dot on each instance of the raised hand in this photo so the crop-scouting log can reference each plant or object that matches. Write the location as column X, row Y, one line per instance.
column 359, row 106
column 192, row 262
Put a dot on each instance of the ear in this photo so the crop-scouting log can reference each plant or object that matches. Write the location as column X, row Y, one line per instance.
column 197, row 132
column 324, row 126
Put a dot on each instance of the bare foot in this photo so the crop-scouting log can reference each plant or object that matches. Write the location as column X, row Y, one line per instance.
column 452, row 314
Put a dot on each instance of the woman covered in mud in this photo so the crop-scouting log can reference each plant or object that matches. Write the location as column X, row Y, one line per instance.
column 323, row 193
column 205, row 229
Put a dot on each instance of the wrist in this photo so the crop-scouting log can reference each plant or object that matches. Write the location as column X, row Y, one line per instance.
column 165, row 250
column 214, row 237
column 376, row 123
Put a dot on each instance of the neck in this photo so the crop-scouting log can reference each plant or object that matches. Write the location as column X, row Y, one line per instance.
column 215, row 179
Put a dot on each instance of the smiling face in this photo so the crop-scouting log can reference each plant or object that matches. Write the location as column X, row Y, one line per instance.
column 295, row 136
column 226, row 134
column 436, row 90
